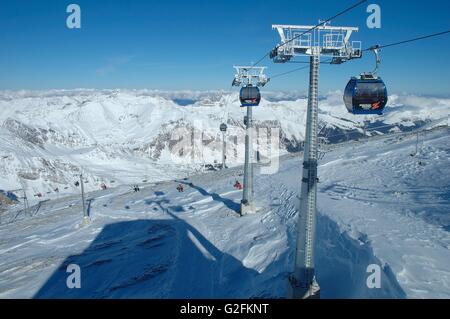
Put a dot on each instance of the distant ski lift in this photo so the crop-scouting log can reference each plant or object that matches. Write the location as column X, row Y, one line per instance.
column 250, row 96
column 366, row 94
column 223, row 127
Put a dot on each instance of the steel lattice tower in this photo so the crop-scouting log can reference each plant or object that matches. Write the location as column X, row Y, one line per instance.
column 314, row 42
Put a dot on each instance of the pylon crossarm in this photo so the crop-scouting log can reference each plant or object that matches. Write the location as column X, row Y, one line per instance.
column 301, row 39
column 249, row 75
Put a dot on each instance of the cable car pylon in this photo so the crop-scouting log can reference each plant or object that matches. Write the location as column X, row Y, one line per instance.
column 86, row 217
column 223, row 129
column 321, row 40
column 249, row 96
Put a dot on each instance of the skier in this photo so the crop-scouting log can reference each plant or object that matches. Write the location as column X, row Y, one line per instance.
column 237, row 185
column 180, row 188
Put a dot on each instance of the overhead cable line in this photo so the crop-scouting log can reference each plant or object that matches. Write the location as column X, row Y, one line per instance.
column 289, row 72
column 406, row 41
column 297, row 69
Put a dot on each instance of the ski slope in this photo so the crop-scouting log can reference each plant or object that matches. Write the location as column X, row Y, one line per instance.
column 397, row 204
column 377, row 205
column 126, row 136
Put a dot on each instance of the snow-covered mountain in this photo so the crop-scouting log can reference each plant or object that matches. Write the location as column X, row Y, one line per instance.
column 377, row 205
column 131, row 136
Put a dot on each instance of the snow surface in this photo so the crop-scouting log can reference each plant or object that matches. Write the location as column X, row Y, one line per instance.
column 377, row 205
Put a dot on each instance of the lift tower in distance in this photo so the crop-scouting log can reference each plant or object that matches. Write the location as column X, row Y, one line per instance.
column 312, row 41
column 223, row 128
column 249, row 77
column 86, row 218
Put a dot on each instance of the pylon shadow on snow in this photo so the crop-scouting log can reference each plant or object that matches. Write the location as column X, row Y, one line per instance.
column 216, row 197
column 153, row 259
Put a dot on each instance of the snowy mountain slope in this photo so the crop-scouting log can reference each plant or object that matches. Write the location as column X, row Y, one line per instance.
column 156, row 243
column 127, row 137
column 377, row 205
column 397, row 203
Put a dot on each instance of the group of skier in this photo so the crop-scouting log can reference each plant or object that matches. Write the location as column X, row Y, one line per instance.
column 180, row 187
column 236, row 185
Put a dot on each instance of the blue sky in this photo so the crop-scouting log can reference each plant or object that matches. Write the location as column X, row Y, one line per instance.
column 193, row 44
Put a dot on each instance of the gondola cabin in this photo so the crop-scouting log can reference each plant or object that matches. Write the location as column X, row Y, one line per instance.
column 223, row 127
column 366, row 95
column 250, row 96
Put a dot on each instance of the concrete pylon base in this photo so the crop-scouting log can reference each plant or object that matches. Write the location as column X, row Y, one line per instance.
column 247, row 209
column 86, row 221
